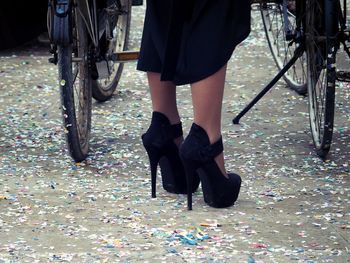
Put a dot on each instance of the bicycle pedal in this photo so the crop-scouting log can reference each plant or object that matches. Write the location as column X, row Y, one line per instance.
column 124, row 56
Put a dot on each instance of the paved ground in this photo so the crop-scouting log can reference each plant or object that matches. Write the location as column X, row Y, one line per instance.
column 293, row 207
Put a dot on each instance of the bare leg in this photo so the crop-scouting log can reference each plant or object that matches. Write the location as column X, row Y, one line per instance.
column 163, row 95
column 207, row 96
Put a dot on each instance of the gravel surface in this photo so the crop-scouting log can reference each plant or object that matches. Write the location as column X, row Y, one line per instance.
column 293, row 207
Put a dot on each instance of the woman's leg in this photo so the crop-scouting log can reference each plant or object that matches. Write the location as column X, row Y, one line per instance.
column 163, row 96
column 207, row 96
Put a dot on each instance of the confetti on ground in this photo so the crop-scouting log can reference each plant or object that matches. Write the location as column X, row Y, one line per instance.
column 293, row 207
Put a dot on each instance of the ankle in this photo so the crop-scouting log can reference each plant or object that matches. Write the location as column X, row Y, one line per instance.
column 173, row 117
column 213, row 133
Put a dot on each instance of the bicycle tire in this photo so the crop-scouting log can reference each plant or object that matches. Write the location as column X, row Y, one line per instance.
column 75, row 90
column 282, row 49
column 321, row 52
column 103, row 89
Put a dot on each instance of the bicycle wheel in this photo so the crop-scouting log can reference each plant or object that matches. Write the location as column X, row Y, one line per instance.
column 75, row 89
column 281, row 47
column 104, row 86
column 321, row 55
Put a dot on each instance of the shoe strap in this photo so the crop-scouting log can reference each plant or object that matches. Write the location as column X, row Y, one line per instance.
column 209, row 152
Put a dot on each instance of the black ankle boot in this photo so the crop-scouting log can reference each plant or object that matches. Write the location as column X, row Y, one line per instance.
column 198, row 156
column 159, row 144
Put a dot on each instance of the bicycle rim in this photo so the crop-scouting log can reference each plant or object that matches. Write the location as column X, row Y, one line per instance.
column 281, row 48
column 103, row 88
column 321, row 56
column 75, row 89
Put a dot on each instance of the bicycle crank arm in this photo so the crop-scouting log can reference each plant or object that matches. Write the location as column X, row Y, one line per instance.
column 124, row 56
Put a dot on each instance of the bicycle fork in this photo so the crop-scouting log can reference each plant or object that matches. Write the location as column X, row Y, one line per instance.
column 59, row 26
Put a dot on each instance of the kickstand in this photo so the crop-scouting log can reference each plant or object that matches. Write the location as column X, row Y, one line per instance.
column 297, row 53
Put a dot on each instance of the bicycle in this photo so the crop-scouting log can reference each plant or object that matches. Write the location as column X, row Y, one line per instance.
column 321, row 49
column 310, row 32
column 89, row 42
column 281, row 30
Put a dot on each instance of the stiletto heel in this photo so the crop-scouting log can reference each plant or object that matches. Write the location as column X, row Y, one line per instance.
column 190, row 171
column 198, row 156
column 161, row 149
column 189, row 198
column 153, row 160
column 153, row 179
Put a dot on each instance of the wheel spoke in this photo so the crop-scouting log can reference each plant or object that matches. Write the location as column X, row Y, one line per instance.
column 281, row 49
column 104, row 88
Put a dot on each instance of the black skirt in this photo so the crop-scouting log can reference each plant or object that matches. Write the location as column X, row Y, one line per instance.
column 189, row 40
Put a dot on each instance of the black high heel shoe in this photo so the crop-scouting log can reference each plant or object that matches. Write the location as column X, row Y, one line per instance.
column 198, row 155
column 161, row 149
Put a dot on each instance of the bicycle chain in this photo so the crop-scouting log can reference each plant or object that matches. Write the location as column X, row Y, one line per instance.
column 91, row 63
